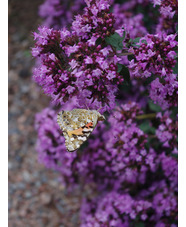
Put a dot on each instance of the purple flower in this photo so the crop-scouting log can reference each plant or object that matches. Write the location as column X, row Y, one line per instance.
column 118, row 151
column 115, row 159
column 156, row 58
column 113, row 208
column 58, row 13
column 163, row 202
column 167, row 131
column 128, row 22
column 168, row 11
column 170, row 169
column 127, row 169
column 72, row 64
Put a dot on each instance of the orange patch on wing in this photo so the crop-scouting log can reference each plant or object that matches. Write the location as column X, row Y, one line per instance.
column 89, row 125
column 79, row 131
column 76, row 132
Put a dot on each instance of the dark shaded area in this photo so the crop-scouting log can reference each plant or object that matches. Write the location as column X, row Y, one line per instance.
column 36, row 197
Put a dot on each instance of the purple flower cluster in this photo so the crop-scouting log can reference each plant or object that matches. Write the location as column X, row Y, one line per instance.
column 121, row 149
column 167, row 132
column 58, row 13
column 95, row 23
column 156, row 57
column 117, row 162
column 127, row 170
column 73, row 64
column 132, row 24
column 120, row 153
column 168, row 11
column 156, row 206
column 171, row 173
column 163, row 201
column 168, row 8
column 113, row 209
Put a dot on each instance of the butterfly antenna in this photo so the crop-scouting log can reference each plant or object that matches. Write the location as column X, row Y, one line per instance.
column 86, row 105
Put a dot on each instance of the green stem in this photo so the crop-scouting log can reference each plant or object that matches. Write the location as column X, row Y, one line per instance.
column 146, row 116
column 124, row 53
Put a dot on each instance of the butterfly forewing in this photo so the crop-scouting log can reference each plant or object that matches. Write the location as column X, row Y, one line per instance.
column 77, row 125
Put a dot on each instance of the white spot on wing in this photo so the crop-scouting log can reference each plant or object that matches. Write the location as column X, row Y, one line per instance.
column 87, row 130
column 70, row 147
column 82, row 138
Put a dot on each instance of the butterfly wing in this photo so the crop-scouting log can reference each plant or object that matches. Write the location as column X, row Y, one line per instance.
column 77, row 125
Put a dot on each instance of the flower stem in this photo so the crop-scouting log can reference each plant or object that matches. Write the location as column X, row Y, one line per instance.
column 123, row 53
column 146, row 116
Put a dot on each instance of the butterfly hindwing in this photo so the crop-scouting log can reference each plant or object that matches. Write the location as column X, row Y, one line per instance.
column 77, row 125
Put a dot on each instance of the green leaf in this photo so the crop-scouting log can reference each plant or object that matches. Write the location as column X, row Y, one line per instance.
column 175, row 69
column 116, row 40
column 146, row 128
column 154, row 107
column 120, row 66
column 135, row 41
column 123, row 70
column 174, row 112
column 139, row 224
column 174, row 156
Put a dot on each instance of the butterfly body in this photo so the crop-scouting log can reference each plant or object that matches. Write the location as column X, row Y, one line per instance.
column 77, row 125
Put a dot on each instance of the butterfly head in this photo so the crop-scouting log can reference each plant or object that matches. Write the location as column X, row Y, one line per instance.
column 100, row 116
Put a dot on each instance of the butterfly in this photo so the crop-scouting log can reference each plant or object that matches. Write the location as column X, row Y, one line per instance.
column 77, row 125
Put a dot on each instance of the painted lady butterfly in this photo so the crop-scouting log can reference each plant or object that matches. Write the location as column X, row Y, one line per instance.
column 77, row 125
